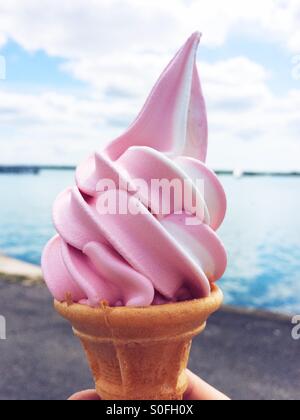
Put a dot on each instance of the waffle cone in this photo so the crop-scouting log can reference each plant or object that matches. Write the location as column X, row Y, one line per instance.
column 140, row 353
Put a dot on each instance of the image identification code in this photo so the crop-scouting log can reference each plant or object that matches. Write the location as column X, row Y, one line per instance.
column 160, row 409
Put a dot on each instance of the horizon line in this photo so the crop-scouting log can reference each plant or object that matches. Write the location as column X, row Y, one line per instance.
column 36, row 169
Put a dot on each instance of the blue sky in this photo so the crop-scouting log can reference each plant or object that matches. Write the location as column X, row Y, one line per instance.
column 35, row 70
column 32, row 68
column 77, row 75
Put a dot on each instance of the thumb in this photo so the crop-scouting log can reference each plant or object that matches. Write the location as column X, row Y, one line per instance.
column 200, row 390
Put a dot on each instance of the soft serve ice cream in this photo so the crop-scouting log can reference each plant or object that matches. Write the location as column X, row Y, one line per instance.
column 143, row 256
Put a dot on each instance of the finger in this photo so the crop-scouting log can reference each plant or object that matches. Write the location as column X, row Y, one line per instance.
column 89, row 395
column 200, row 390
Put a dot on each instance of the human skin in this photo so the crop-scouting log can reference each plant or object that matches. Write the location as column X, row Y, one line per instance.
column 197, row 390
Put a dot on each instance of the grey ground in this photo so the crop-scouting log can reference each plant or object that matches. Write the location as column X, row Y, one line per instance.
column 248, row 356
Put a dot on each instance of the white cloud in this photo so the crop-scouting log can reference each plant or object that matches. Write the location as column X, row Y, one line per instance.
column 276, row 19
column 81, row 28
column 120, row 47
column 51, row 127
column 250, row 127
column 122, row 74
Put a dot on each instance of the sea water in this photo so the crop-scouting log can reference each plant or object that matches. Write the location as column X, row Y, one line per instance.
column 261, row 233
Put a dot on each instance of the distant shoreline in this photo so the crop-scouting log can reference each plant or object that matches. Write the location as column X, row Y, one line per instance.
column 37, row 169
column 33, row 169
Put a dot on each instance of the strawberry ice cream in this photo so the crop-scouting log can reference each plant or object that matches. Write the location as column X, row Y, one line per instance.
column 148, row 256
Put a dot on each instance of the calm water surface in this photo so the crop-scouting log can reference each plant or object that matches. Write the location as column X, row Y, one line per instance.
column 261, row 233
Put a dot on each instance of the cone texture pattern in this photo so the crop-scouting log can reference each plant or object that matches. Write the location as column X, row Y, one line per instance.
column 140, row 353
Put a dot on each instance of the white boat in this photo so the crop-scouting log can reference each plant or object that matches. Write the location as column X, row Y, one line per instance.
column 238, row 173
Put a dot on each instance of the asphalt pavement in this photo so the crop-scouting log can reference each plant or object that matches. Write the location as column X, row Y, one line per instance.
column 249, row 356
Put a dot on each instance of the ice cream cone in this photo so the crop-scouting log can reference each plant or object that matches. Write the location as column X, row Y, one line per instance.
column 140, row 353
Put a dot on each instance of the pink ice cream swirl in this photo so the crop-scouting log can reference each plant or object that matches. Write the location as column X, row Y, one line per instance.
column 149, row 256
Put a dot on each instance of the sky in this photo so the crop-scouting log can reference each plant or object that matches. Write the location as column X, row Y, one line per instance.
column 78, row 71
